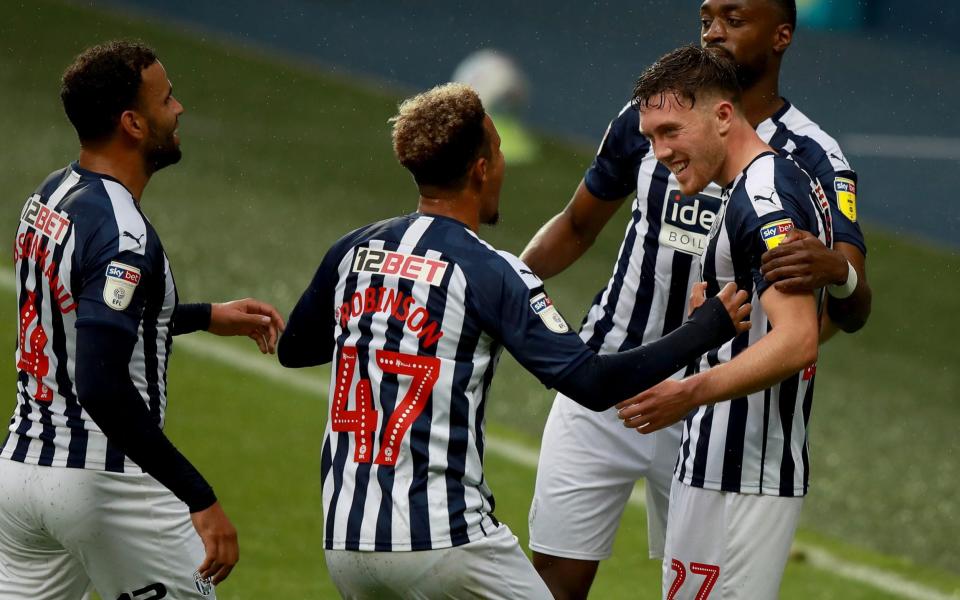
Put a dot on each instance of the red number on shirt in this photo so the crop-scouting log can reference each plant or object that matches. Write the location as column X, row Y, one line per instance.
column 34, row 362
column 363, row 419
column 711, row 573
column 425, row 370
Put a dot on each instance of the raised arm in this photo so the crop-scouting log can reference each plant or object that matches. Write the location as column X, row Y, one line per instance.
column 564, row 238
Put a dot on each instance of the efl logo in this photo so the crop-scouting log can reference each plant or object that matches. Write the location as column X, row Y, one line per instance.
column 407, row 266
column 846, row 197
column 119, row 285
column 773, row 233
column 49, row 222
column 543, row 307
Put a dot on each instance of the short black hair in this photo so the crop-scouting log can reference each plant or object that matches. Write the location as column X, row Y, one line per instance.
column 788, row 8
column 686, row 72
column 102, row 82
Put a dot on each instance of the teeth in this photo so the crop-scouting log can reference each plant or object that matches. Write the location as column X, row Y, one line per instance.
column 679, row 168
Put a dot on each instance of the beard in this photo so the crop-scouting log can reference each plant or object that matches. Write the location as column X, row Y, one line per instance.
column 161, row 151
column 748, row 72
column 492, row 220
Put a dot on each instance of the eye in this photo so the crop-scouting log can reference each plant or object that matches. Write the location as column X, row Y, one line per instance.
column 705, row 23
column 734, row 22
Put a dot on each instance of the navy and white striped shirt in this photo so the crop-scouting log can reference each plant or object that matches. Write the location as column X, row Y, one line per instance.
column 755, row 444
column 84, row 255
column 645, row 297
column 413, row 312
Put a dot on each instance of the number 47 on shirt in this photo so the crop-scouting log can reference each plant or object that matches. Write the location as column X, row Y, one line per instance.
column 363, row 419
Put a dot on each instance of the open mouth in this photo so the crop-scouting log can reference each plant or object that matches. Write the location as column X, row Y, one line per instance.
column 680, row 167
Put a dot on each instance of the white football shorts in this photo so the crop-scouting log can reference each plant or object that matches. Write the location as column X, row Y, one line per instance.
column 494, row 567
column 727, row 546
column 62, row 529
column 589, row 463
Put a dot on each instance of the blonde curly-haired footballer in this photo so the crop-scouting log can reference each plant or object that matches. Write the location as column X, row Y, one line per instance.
column 437, row 134
column 414, row 311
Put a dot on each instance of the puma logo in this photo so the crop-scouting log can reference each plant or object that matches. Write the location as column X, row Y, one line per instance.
column 526, row 271
column 133, row 237
column 769, row 198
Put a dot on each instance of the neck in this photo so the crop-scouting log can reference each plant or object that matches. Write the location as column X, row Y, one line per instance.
column 462, row 206
column 126, row 167
column 743, row 145
column 762, row 100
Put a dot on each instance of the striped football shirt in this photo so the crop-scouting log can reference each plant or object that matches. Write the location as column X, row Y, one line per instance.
column 413, row 313
column 645, row 297
column 84, row 254
column 755, row 444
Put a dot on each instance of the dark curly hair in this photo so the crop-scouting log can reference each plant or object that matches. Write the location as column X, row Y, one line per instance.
column 102, row 82
column 686, row 72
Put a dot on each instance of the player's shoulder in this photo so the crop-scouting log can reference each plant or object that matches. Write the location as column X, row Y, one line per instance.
column 105, row 211
column 811, row 140
column 488, row 267
column 768, row 182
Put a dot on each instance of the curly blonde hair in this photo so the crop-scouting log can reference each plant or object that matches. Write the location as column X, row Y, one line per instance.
column 439, row 133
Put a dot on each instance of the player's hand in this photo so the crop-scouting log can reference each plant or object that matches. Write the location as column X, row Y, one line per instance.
column 801, row 263
column 219, row 541
column 735, row 301
column 660, row 406
column 698, row 295
column 255, row 319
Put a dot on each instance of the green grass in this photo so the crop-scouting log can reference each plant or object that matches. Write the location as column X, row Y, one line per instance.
column 279, row 161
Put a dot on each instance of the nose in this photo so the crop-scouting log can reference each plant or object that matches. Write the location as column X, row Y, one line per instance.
column 662, row 152
column 178, row 108
column 715, row 33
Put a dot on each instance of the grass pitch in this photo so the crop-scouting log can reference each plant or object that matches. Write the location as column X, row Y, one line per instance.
column 279, row 161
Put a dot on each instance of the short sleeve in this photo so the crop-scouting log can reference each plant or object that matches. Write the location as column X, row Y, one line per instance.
column 613, row 173
column 517, row 311
column 114, row 287
column 839, row 182
column 766, row 219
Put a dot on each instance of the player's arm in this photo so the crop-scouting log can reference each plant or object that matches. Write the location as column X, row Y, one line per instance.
column 790, row 346
column 801, row 263
column 611, row 178
column 108, row 395
column 605, row 380
column 564, row 238
column 517, row 311
column 308, row 339
column 255, row 319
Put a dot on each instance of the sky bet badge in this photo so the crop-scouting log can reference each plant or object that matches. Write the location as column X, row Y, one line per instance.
column 543, row 306
column 773, row 233
column 121, row 282
column 846, row 197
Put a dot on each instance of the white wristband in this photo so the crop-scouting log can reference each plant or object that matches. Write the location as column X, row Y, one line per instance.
column 844, row 291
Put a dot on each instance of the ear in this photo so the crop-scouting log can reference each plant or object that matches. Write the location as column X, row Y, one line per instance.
column 133, row 124
column 724, row 112
column 782, row 37
column 478, row 172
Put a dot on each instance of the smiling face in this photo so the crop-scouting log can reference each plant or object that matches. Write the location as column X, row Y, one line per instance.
column 686, row 140
column 754, row 33
column 161, row 145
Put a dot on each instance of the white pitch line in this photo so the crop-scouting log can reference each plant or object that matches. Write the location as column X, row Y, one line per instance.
column 247, row 362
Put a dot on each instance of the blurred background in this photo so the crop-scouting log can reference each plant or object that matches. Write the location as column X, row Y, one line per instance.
column 286, row 147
